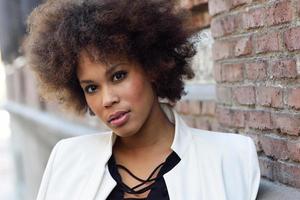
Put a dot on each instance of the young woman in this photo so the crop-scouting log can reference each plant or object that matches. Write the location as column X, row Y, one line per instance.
column 117, row 59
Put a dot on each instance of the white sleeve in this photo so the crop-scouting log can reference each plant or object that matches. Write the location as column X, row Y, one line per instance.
column 254, row 171
column 42, row 194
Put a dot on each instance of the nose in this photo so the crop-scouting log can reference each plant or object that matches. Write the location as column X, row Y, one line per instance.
column 109, row 97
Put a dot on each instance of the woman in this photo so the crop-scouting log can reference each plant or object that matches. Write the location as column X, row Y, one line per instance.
column 117, row 59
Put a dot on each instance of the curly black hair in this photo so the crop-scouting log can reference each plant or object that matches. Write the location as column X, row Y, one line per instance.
column 149, row 31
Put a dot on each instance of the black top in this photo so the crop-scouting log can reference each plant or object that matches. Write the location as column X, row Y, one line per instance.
column 158, row 189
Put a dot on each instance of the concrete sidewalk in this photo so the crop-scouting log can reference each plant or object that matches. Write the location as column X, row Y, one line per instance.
column 7, row 172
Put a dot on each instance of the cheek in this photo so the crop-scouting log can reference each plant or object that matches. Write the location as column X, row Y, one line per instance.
column 138, row 91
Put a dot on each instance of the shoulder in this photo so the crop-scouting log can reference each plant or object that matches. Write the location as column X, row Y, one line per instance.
column 86, row 144
column 234, row 156
column 230, row 149
column 85, row 140
column 222, row 141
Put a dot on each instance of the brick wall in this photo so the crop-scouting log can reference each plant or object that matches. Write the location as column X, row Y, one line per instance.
column 257, row 59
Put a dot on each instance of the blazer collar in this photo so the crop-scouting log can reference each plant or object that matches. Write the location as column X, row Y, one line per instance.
column 99, row 178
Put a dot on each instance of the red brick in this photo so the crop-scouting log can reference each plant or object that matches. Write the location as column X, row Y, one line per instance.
column 280, row 12
column 269, row 96
column 224, row 94
column 224, row 25
column 232, row 72
column 274, row 146
column 253, row 18
column 238, row 118
column 266, row 166
column 243, row 46
column 287, row 123
column 297, row 6
column 222, row 50
column 267, row 42
column 231, row 118
column 256, row 70
column 244, row 95
column 224, row 116
column 285, row 68
column 260, row 120
column 214, row 125
column 202, row 123
column 294, row 150
column 287, row 173
column 292, row 38
column 208, row 108
column 239, row 2
column 194, row 107
column 217, row 6
column 293, row 98
column 217, row 72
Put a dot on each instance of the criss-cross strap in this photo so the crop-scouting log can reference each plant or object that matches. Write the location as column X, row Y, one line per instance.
column 133, row 190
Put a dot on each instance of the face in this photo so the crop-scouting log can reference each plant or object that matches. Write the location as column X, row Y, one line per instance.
column 118, row 92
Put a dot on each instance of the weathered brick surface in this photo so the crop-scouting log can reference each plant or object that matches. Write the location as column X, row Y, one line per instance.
column 232, row 72
column 294, row 149
column 285, row 172
column 267, row 167
column 208, row 108
column 232, row 118
column 274, row 146
column 217, row 72
column 287, row 123
column 217, row 6
column 194, row 107
column 222, row 49
column 224, row 94
column 244, row 95
column 293, row 98
column 292, row 38
column 285, row 68
column 269, row 96
column 225, row 25
column 256, row 71
column 239, row 2
column 243, row 46
column 260, row 120
column 268, row 42
column 288, row 173
column 280, row 12
column 253, row 18
column 202, row 123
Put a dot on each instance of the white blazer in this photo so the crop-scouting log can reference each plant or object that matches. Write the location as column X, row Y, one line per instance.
column 213, row 166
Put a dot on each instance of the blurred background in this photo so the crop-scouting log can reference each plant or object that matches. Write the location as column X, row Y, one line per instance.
column 247, row 82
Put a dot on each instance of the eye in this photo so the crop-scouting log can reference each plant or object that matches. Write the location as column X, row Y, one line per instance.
column 119, row 76
column 90, row 89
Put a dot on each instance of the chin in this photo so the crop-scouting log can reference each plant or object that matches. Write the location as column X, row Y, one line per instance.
column 125, row 131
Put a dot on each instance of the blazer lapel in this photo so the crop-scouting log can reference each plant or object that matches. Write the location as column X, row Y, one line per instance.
column 97, row 173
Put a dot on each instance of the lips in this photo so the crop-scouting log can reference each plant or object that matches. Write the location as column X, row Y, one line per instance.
column 119, row 118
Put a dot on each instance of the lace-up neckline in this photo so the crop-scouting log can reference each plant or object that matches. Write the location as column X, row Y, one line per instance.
column 156, row 185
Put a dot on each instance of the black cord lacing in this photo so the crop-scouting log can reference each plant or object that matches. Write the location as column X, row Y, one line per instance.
column 133, row 190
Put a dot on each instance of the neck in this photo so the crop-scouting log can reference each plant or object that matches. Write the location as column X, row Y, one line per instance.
column 156, row 134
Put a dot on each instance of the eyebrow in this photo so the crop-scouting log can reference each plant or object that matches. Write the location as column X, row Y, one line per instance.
column 109, row 70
